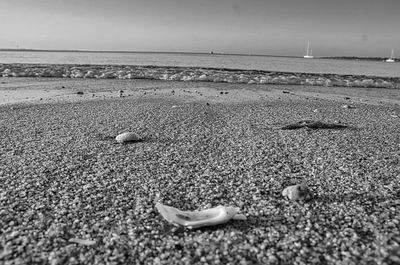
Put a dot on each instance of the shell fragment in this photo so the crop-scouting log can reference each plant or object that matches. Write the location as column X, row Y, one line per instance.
column 196, row 219
column 85, row 242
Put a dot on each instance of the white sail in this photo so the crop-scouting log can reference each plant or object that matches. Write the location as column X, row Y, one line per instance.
column 391, row 59
column 309, row 52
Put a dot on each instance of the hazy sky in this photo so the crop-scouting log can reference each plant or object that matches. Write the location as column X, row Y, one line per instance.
column 280, row 27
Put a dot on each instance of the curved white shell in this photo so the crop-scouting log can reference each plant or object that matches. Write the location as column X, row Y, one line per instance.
column 195, row 219
column 127, row 137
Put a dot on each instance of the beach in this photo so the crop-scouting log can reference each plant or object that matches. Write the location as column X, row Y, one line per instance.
column 64, row 179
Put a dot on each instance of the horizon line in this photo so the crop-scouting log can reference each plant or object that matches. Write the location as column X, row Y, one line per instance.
column 119, row 51
column 183, row 52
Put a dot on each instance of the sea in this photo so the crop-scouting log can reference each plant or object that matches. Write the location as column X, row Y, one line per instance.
column 248, row 62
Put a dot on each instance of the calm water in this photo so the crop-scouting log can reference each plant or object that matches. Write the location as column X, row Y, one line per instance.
column 353, row 67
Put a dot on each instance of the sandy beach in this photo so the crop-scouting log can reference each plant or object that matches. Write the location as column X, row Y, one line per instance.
column 63, row 177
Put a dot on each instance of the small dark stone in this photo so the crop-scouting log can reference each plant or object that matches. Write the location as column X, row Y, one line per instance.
column 347, row 98
column 226, row 92
column 221, row 93
column 285, row 92
column 208, row 104
column 121, row 91
column 79, row 93
column 63, row 87
column 178, row 246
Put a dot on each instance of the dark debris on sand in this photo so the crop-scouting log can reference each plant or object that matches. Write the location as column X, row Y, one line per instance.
column 313, row 125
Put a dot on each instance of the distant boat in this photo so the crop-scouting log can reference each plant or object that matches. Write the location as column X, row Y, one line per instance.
column 391, row 59
column 309, row 52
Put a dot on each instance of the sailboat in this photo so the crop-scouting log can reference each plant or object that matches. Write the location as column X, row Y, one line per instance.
column 391, row 59
column 309, row 52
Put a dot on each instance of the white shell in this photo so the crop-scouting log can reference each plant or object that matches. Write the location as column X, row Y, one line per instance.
column 127, row 137
column 195, row 219
column 348, row 106
column 86, row 242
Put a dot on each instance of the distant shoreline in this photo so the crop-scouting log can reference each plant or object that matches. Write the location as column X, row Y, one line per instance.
column 355, row 58
column 202, row 53
column 166, row 52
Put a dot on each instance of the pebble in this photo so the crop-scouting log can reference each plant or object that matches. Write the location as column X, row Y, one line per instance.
column 297, row 192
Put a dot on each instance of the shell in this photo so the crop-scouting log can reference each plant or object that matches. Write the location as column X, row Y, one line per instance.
column 128, row 137
column 349, row 106
column 86, row 242
column 297, row 192
column 196, row 219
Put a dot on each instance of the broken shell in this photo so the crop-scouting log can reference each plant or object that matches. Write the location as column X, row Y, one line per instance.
column 348, row 106
column 297, row 192
column 128, row 137
column 85, row 242
column 196, row 219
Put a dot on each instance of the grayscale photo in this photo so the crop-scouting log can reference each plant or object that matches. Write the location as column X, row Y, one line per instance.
column 199, row 132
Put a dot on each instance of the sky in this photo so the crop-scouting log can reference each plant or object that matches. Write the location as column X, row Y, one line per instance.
column 366, row 28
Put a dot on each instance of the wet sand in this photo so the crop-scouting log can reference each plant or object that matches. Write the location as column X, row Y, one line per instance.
column 45, row 90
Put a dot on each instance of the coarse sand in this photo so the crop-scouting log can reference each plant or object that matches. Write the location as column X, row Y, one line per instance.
column 70, row 194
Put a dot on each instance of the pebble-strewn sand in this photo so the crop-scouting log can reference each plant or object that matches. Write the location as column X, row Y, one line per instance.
column 63, row 178
column 195, row 74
